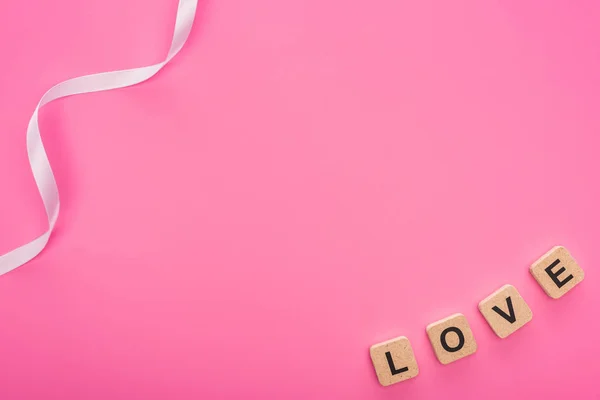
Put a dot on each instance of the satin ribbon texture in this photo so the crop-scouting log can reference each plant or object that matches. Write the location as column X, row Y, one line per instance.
column 38, row 159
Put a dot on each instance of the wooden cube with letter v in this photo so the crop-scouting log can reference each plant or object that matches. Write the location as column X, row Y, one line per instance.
column 505, row 311
column 394, row 361
column 557, row 272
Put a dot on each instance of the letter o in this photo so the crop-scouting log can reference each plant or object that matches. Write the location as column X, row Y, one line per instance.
column 461, row 339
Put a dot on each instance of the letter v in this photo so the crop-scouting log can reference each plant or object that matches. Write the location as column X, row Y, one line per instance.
column 511, row 317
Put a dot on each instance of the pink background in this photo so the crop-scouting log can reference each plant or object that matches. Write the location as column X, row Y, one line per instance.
column 306, row 179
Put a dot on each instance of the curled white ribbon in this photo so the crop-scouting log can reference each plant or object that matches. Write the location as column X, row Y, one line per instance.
column 40, row 166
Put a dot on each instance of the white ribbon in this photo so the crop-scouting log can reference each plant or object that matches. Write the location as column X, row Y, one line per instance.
column 40, row 166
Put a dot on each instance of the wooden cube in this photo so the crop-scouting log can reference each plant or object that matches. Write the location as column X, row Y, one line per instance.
column 557, row 272
column 451, row 338
column 505, row 311
column 394, row 361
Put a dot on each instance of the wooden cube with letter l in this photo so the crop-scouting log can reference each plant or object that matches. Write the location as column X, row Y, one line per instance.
column 394, row 361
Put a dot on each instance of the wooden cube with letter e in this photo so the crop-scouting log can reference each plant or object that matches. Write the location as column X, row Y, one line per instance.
column 557, row 272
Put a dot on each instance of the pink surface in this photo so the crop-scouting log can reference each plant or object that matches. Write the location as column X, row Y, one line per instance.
column 306, row 179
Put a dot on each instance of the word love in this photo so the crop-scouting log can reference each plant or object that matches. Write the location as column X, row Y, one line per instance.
column 504, row 310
